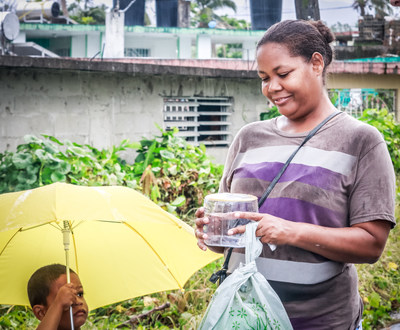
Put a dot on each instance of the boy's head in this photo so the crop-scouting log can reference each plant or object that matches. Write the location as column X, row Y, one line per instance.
column 43, row 287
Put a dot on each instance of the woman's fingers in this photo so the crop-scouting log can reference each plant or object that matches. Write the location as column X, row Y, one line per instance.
column 201, row 220
column 200, row 212
column 249, row 216
column 237, row 230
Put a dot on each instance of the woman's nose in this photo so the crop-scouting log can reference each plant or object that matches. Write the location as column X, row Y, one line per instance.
column 274, row 85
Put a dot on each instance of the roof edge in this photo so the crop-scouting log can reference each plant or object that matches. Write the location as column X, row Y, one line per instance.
column 228, row 68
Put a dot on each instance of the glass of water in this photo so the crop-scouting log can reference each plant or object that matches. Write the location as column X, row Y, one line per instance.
column 220, row 209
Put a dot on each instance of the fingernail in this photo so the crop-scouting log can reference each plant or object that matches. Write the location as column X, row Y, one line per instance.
column 237, row 214
column 204, row 248
column 205, row 236
column 230, row 232
column 206, row 220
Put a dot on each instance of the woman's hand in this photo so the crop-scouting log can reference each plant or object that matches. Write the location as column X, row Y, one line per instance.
column 270, row 229
column 202, row 220
column 361, row 243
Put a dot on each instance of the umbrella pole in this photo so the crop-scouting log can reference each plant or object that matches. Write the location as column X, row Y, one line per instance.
column 66, row 233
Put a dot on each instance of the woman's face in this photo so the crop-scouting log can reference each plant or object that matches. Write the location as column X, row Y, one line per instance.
column 291, row 83
column 395, row 3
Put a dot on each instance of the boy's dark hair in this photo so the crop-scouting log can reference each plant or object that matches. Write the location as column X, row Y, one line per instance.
column 40, row 282
column 302, row 38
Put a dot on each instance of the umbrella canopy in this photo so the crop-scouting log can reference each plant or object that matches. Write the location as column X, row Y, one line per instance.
column 122, row 245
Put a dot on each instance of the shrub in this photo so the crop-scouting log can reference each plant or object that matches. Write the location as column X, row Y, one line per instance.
column 173, row 173
column 386, row 123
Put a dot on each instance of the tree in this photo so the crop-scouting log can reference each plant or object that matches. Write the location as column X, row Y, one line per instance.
column 203, row 10
column 89, row 14
column 382, row 7
column 64, row 8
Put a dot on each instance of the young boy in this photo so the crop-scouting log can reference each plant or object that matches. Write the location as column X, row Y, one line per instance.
column 51, row 297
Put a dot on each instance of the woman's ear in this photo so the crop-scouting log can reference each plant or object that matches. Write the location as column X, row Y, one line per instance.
column 39, row 311
column 317, row 62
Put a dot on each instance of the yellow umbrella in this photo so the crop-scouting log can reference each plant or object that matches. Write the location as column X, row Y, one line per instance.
column 122, row 245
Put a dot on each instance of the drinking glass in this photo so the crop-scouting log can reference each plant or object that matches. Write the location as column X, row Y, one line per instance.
column 220, row 209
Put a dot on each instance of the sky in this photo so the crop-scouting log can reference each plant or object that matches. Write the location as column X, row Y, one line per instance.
column 331, row 11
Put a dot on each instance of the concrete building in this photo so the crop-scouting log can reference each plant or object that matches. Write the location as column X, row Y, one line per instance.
column 88, row 41
column 102, row 102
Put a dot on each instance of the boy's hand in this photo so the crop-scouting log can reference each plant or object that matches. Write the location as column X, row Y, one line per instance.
column 66, row 296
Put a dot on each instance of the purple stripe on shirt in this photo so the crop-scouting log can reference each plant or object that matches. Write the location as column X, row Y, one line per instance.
column 312, row 175
column 301, row 211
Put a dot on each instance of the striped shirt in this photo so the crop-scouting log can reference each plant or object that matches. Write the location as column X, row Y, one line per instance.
column 341, row 177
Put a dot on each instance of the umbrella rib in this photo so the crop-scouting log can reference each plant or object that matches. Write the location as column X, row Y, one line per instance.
column 5, row 245
column 76, row 255
column 155, row 252
column 40, row 225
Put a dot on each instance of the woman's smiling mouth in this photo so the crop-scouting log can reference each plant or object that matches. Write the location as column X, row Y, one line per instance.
column 280, row 100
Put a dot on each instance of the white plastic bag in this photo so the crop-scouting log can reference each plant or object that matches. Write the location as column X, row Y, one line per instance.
column 245, row 300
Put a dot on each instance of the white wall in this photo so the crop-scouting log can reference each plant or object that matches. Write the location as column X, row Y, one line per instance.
column 93, row 45
column 203, row 46
column 102, row 109
column 159, row 47
column 78, row 46
column 185, row 47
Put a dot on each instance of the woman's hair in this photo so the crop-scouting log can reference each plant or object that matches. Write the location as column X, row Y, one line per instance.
column 302, row 38
column 40, row 282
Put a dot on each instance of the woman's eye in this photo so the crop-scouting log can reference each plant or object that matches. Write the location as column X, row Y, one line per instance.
column 80, row 294
column 265, row 79
column 283, row 75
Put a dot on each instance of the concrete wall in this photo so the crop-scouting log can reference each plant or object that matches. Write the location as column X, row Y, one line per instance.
column 102, row 109
column 103, row 102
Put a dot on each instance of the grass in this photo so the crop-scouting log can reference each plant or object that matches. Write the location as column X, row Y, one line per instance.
column 379, row 285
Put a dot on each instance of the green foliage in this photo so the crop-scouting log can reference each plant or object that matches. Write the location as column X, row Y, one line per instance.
column 174, row 173
column 203, row 11
column 390, row 129
column 379, row 285
column 43, row 161
column 237, row 24
column 17, row 317
column 381, row 8
column 89, row 15
column 270, row 113
column 229, row 51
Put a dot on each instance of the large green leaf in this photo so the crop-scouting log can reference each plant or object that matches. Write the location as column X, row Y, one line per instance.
column 22, row 160
column 179, row 201
column 25, row 177
column 58, row 177
column 167, row 154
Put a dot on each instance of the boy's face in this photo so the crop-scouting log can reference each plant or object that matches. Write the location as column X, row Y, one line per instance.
column 79, row 309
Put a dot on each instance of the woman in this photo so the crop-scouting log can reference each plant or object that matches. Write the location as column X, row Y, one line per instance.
column 334, row 205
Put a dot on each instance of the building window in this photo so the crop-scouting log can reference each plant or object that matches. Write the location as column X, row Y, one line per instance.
column 64, row 52
column 137, row 52
column 199, row 120
column 354, row 101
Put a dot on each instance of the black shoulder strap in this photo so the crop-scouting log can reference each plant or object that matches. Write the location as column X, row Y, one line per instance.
column 221, row 274
column 283, row 169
